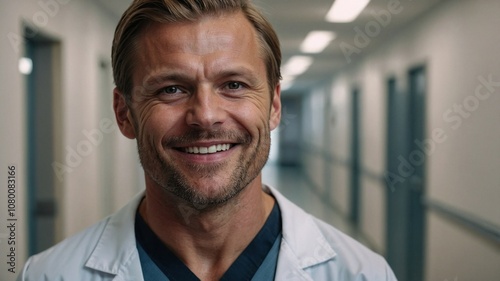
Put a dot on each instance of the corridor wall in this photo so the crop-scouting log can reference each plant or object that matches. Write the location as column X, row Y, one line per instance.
column 84, row 31
column 454, row 42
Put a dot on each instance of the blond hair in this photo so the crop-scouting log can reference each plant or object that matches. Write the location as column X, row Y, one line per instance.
column 142, row 12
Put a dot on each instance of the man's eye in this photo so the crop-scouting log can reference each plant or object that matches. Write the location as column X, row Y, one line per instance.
column 234, row 85
column 170, row 90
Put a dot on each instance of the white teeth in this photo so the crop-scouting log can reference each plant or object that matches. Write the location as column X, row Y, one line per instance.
column 212, row 149
column 207, row 150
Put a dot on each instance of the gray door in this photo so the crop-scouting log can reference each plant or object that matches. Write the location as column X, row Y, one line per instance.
column 355, row 158
column 41, row 133
column 405, row 176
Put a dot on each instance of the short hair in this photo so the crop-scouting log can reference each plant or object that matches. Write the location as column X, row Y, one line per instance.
column 143, row 12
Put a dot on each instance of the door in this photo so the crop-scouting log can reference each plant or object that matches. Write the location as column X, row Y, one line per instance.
column 405, row 174
column 355, row 158
column 41, row 86
column 290, row 131
column 417, row 159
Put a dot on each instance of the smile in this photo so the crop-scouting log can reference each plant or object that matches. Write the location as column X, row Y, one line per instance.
column 207, row 150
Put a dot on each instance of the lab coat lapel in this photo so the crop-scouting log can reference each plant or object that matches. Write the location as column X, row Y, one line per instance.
column 116, row 252
column 303, row 245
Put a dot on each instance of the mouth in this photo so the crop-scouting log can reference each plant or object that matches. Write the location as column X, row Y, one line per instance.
column 206, row 149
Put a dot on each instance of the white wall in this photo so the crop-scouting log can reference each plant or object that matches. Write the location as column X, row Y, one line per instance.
column 313, row 125
column 85, row 31
column 457, row 42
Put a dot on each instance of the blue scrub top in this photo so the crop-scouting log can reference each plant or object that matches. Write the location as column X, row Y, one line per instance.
column 257, row 262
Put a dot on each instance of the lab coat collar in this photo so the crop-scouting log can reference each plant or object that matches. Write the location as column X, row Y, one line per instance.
column 114, row 253
column 303, row 244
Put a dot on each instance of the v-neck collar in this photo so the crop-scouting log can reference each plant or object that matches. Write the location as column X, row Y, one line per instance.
column 243, row 268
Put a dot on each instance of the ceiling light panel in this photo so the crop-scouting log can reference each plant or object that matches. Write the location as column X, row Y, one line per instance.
column 346, row 10
column 317, row 41
column 297, row 65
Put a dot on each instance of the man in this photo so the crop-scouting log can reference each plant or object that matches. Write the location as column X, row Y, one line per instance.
column 197, row 84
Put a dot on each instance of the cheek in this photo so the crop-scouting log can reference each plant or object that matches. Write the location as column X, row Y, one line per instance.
column 155, row 122
column 254, row 117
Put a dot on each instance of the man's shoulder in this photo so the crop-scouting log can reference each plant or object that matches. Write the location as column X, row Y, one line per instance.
column 346, row 248
column 351, row 259
column 68, row 256
column 324, row 251
column 345, row 245
column 100, row 250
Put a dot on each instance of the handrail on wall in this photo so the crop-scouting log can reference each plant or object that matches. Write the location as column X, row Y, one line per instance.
column 478, row 225
column 474, row 223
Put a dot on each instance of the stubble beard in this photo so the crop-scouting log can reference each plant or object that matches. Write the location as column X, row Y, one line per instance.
column 174, row 181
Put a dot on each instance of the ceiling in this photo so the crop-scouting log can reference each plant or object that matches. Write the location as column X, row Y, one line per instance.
column 293, row 19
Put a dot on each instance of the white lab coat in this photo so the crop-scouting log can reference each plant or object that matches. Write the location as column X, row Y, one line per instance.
column 310, row 250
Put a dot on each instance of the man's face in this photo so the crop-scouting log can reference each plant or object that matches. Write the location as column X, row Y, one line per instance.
column 201, row 109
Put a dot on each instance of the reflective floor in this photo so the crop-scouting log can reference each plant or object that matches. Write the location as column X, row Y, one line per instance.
column 293, row 185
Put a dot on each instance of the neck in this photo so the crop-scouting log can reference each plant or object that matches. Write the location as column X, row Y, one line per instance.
column 208, row 241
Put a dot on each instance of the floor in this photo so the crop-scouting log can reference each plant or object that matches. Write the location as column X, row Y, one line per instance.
column 290, row 182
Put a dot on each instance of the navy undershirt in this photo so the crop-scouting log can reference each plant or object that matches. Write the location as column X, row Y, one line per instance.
column 243, row 268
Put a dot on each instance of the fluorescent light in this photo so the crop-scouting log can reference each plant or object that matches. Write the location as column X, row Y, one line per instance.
column 346, row 10
column 25, row 66
column 316, row 41
column 297, row 65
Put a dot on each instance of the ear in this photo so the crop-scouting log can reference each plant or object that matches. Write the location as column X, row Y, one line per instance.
column 123, row 114
column 275, row 116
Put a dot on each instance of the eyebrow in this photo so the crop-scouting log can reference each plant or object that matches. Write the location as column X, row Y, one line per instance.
column 239, row 71
column 178, row 76
column 163, row 77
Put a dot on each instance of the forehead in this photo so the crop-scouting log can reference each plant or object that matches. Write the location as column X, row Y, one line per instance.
column 227, row 35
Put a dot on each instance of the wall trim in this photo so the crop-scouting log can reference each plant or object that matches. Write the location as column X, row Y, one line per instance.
column 479, row 226
column 335, row 160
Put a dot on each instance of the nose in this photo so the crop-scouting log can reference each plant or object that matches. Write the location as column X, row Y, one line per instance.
column 206, row 109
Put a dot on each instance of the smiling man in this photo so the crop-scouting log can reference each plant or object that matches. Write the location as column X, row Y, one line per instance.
column 203, row 121
column 197, row 84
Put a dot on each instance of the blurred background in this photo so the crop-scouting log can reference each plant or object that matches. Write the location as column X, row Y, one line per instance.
column 390, row 127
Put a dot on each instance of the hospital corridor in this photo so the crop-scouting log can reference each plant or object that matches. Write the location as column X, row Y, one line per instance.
column 389, row 129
